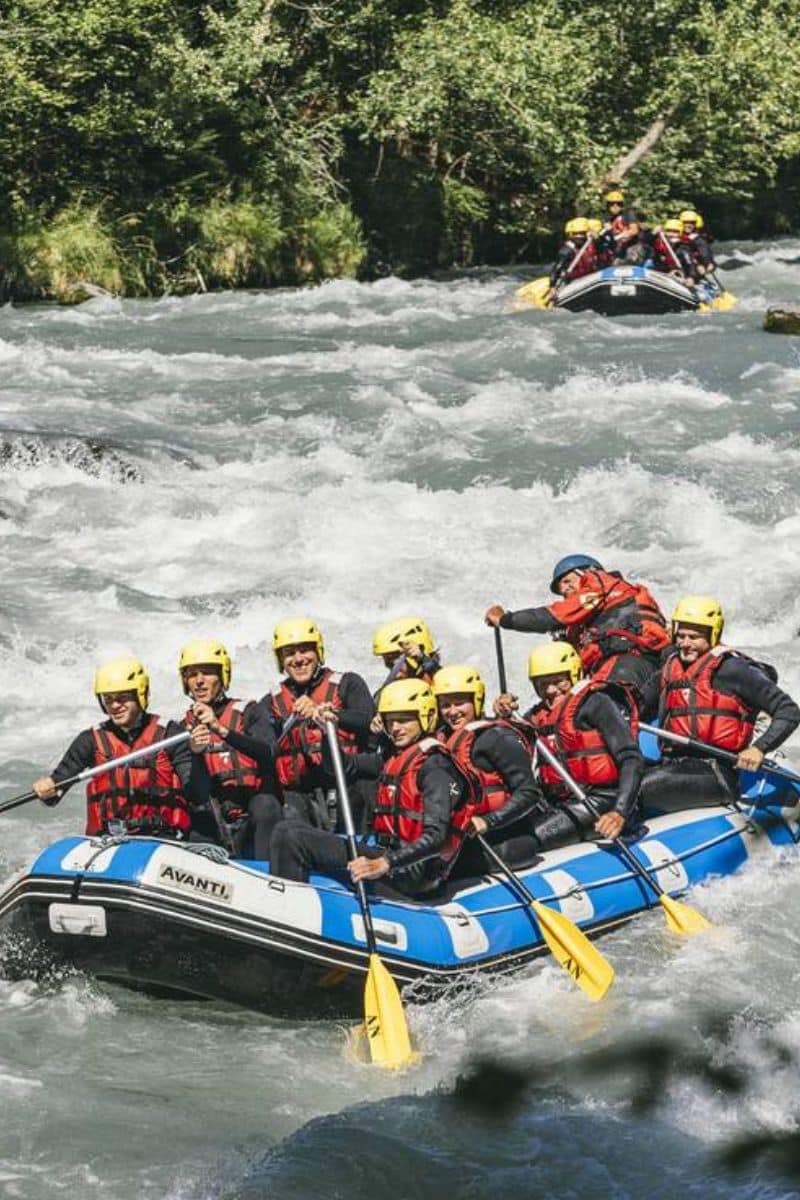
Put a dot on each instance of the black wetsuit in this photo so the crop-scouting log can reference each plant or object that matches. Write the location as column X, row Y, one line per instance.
column 632, row 669
column 298, row 848
column 690, row 779
column 315, row 802
column 571, row 819
column 252, row 836
column 497, row 749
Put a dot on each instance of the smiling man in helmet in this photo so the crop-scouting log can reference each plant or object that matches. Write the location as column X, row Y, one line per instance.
column 591, row 727
column 712, row 693
column 308, row 692
column 670, row 254
column 616, row 626
column 148, row 796
column 494, row 756
column 236, row 744
column 421, row 809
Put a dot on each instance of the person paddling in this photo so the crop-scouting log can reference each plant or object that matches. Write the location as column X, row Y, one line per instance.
column 712, row 693
column 147, row 797
column 241, row 782
column 617, row 626
column 421, row 809
column 298, row 706
column 409, row 639
column 495, row 757
column 591, row 727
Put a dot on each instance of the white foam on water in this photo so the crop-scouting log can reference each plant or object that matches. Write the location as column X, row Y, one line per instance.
column 441, row 471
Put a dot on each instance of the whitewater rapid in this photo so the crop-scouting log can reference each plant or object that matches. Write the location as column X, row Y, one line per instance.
column 205, row 466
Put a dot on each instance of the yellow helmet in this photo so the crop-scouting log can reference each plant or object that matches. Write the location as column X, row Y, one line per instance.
column 451, row 681
column 700, row 610
column 555, row 658
column 673, row 226
column 595, row 225
column 387, row 639
column 689, row 216
column 615, row 197
column 576, row 225
column 123, row 675
column 410, row 695
column 293, row 632
column 204, row 652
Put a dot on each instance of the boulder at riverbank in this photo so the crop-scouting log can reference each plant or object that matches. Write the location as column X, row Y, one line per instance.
column 782, row 320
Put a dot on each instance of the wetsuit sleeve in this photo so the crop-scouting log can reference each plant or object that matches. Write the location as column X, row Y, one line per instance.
column 563, row 259
column 258, row 739
column 740, row 678
column 649, row 695
column 441, row 789
column 600, row 713
column 358, row 707
column 190, row 768
column 79, row 755
column 500, row 750
column 531, row 620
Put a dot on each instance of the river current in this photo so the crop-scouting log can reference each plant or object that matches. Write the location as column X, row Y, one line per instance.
column 204, row 466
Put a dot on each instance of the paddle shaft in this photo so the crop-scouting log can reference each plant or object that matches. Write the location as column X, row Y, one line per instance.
column 501, row 659
column 580, row 794
column 90, row 772
column 512, row 878
column 394, row 671
column 727, row 755
column 349, row 827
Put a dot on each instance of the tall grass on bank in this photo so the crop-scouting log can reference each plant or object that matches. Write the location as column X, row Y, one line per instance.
column 222, row 244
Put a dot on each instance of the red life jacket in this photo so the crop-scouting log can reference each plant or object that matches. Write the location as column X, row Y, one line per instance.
column 692, row 706
column 399, row 807
column 665, row 257
column 146, row 795
column 230, row 769
column 583, row 752
column 622, row 610
column 489, row 790
column 299, row 753
column 584, row 262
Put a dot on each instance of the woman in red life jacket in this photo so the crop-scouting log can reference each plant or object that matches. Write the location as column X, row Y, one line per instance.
column 494, row 756
column 239, row 782
column 146, row 796
column 298, row 705
column 616, row 626
column 712, row 693
column 592, row 729
column 408, row 639
column 670, row 256
column 421, row 810
column 577, row 256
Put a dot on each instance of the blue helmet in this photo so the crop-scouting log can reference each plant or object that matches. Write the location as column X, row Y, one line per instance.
column 573, row 562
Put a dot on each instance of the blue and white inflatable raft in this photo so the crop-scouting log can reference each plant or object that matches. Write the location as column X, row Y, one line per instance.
column 175, row 919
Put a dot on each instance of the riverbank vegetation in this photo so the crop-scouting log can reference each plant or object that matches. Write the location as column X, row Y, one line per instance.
column 175, row 146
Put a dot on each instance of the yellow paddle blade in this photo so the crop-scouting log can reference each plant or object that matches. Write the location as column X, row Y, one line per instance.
column 385, row 1019
column 725, row 302
column 681, row 918
column 536, row 292
column 591, row 970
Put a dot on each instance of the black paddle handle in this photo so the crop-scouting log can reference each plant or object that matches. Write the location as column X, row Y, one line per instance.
column 716, row 751
column 501, row 659
column 350, row 829
column 513, row 879
column 7, row 805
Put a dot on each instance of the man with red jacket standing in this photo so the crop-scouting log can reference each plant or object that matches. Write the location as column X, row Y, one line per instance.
column 616, row 626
